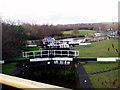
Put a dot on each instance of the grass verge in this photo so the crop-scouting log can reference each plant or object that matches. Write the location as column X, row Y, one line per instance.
column 103, row 80
column 8, row 68
column 99, row 49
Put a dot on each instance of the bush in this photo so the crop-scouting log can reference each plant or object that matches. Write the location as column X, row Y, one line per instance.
column 12, row 40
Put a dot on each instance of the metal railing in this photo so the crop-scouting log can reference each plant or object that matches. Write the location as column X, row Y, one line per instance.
column 48, row 53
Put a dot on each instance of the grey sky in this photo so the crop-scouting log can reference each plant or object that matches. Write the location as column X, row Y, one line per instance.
column 59, row 11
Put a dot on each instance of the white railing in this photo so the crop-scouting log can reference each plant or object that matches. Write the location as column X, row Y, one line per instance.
column 58, row 45
column 61, row 41
column 66, row 52
column 54, row 53
column 36, row 53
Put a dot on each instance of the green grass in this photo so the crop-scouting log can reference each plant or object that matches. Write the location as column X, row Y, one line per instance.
column 19, row 57
column 98, row 49
column 86, row 31
column 67, row 32
column 8, row 68
column 80, row 31
column 33, row 48
column 103, row 80
column 93, row 66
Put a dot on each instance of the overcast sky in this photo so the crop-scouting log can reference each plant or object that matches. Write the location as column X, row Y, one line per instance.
column 59, row 11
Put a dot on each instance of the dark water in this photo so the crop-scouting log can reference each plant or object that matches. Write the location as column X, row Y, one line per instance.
column 60, row 75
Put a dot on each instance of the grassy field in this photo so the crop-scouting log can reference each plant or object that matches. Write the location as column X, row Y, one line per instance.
column 80, row 31
column 103, row 80
column 67, row 32
column 86, row 31
column 98, row 49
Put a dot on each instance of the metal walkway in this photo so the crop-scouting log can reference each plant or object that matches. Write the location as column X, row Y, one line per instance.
column 51, row 53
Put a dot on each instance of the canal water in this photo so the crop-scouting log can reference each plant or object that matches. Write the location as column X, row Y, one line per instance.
column 54, row 74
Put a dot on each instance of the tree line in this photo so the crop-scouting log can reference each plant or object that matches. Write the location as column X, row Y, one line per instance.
column 13, row 37
column 90, row 26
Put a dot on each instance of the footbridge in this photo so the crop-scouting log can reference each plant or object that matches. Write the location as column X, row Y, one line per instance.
column 51, row 53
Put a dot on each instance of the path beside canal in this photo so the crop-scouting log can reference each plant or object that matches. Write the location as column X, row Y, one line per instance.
column 83, row 78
